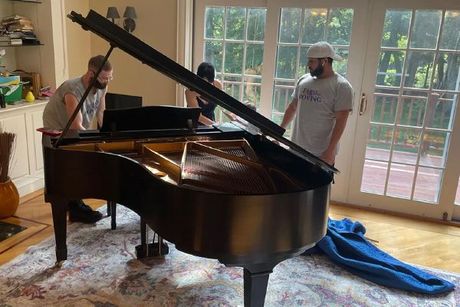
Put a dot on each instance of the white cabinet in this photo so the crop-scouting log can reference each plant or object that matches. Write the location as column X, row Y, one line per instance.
column 26, row 168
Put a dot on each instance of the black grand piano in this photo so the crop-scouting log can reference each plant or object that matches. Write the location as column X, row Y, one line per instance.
column 247, row 197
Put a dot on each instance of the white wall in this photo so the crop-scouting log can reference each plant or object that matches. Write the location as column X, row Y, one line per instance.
column 78, row 41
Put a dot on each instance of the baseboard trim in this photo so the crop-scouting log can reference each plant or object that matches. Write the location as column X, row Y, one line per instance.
column 29, row 184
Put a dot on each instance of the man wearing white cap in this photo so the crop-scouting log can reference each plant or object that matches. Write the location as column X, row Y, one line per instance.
column 320, row 105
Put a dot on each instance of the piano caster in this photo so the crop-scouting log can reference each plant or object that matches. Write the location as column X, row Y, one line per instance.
column 151, row 250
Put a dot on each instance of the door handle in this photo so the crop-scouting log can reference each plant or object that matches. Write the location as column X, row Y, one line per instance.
column 363, row 104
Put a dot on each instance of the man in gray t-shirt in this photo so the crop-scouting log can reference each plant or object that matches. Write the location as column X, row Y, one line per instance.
column 67, row 96
column 320, row 105
column 63, row 104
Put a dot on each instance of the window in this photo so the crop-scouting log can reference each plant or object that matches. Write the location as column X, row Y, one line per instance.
column 234, row 41
column 234, row 44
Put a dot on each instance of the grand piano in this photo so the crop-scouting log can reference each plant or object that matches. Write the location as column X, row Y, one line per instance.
column 237, row 192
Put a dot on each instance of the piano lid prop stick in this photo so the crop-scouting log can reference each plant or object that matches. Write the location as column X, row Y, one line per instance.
column 83, row 98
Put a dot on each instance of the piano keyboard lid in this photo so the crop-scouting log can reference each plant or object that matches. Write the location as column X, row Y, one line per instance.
column 119, row 38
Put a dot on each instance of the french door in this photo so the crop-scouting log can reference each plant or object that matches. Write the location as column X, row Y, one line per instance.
column 407, row 139
column 402, row 59
column 259, row 50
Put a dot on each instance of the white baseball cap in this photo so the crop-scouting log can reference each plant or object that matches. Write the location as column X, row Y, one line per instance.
column 323, row 50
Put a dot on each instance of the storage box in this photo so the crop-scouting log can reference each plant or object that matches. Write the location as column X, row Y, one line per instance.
column 12, row 93
column 10, row 80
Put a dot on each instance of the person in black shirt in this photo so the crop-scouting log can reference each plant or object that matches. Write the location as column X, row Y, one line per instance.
column 207, row 116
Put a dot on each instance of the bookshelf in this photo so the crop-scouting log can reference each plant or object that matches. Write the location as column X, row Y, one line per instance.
column 20, row 31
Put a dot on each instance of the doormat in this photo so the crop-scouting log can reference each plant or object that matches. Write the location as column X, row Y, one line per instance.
column 8, row 230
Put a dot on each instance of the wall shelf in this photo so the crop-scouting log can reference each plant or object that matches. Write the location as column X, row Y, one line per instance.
column 24, row 45
column 28, row 1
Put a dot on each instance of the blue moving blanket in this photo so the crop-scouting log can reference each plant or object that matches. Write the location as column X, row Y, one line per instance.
column 345, row 244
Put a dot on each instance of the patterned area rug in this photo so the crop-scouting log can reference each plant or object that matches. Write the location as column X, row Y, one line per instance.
column 102, row 271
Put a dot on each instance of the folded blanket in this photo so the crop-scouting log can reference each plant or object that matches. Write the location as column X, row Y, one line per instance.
column 345, row 244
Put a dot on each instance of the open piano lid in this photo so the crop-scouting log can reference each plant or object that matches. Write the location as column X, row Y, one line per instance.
column 118, row 37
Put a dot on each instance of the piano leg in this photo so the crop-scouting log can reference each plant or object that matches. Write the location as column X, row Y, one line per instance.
column 112, row 212
column 59, row 210
column 255, row 284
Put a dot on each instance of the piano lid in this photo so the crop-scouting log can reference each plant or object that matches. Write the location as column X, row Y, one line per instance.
column 117, row 37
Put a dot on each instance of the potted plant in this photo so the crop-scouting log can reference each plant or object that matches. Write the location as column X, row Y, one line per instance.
column 9, row 196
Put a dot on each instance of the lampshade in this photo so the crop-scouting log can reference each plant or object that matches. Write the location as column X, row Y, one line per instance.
column 130, row 12
column 112, row 12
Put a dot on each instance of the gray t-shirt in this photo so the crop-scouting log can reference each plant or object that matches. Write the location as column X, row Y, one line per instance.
column 55, row 113
column 317, row 102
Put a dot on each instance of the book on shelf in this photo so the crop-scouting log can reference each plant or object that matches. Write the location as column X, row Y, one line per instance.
column 16, row 41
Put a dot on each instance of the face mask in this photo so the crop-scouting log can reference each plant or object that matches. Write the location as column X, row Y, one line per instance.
column 98, row 84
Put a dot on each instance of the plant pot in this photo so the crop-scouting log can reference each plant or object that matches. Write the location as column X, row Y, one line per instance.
column 9, row 199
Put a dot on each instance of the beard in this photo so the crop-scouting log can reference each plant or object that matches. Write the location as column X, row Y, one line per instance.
column 317, row 72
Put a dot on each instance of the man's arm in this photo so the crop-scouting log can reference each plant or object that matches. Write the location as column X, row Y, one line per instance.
column 289, row 114
column 100, row 110
column 340, row 123
column 71, row 104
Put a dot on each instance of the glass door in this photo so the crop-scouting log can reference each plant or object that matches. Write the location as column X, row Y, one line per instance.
column 259, row 51
column 408, row 125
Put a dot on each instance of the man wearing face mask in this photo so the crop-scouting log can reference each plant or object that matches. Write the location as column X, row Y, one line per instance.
column 64, row 101
column 61, row 107
column 320, row 105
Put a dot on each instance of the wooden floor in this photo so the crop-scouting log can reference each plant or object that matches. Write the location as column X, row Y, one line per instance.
column 419, row 242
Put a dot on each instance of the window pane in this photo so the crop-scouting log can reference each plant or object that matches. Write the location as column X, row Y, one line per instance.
column 234, row 58
column 385, row 109
column 339, row 27
column 286, row 62
column 379, row 142
column 426, row 28
column 282, row 95
column 400, row 180
column 427, row 184
column 406, row 145
column 418, row 69
column 412, row 111
column 290, row 25
column 390, row 68
column 314, row 28
column 374, row 175
column 450, row 35
column 213, row 54
column 440, row 112
column 396, row 28
column 302, row 69
column 214, row 24
column 341, row 66
column 256, row 24
column 236, row 19
column 232, row 86
column 447, row 74
column 251, row 92
column 434, row 148
column 254, row 57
